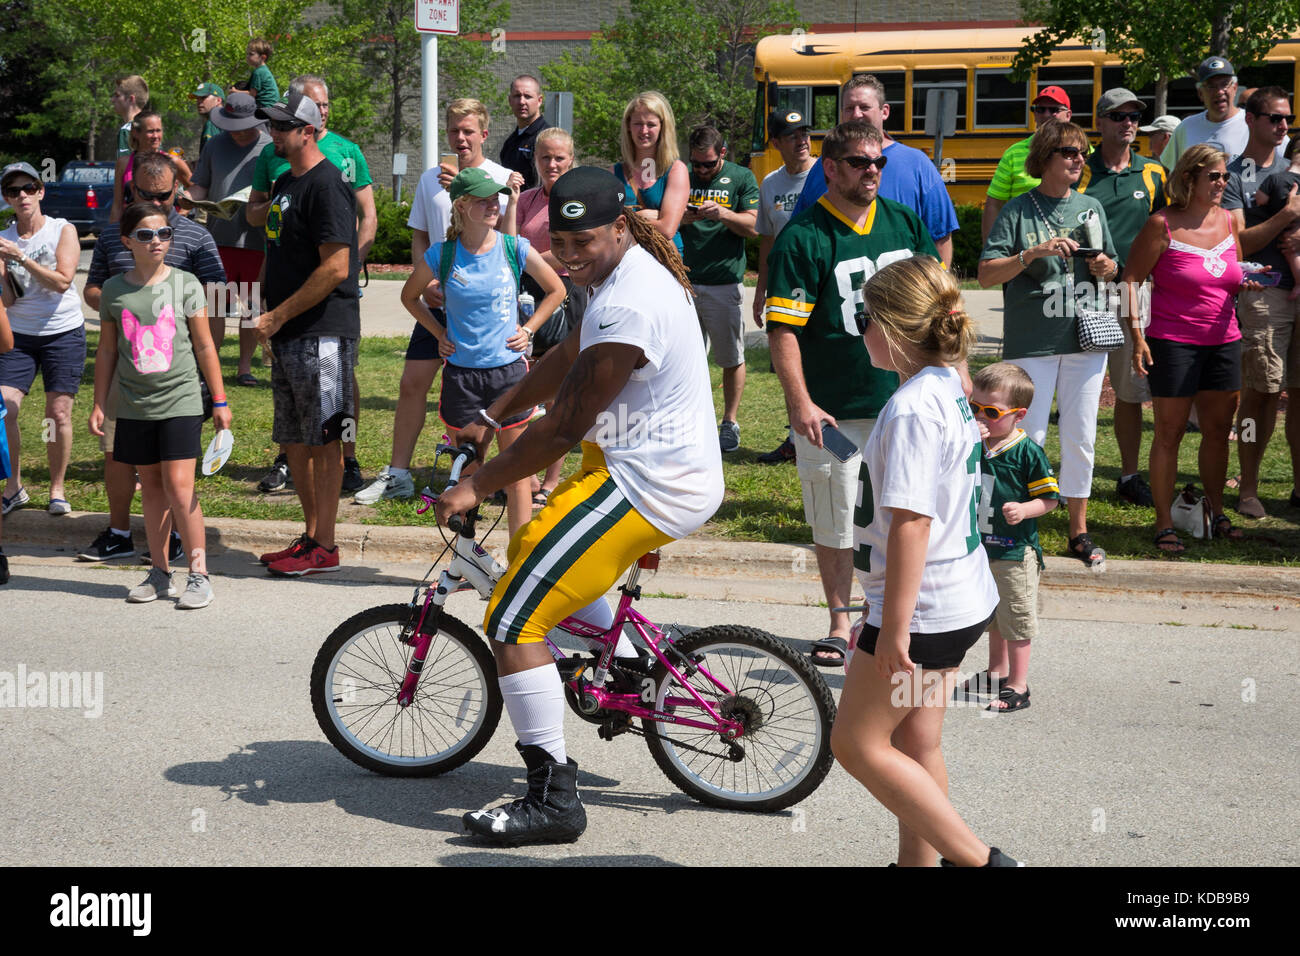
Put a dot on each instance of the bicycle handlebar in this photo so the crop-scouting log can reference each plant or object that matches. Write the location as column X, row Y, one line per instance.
column 461, row 457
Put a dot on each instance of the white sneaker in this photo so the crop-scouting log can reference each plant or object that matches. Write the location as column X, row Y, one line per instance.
column 157, row 584
column 198, row 592
column 386, row 485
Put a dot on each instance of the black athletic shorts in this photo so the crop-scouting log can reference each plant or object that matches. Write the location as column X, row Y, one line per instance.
column 466, row 390
column 423, row 346
column 931, row 651
column 1180, row 370
column 139, row 442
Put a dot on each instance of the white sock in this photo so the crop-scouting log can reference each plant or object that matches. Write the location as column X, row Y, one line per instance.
column 1124, row 478
column 599, row 614
column 399, row 472
column 534, row 699
column 121, row 534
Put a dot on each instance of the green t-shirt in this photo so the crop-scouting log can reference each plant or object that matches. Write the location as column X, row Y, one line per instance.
column 815, row 273
column 156, row 373
column 1039, row 303
column 210, row 129
column 262, row 85
column 342, row 152
column 1010, row 178
column 1129, row 196
column 715, row 254
column 1018, row 472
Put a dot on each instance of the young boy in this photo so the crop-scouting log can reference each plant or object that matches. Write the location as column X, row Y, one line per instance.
column 130, row 95
column 1018, row 488
column 261, row 84
column 6, row 343
column 1273, row 195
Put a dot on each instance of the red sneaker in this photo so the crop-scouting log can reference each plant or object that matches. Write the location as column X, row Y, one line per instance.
column 301, row 545
column 312, row 560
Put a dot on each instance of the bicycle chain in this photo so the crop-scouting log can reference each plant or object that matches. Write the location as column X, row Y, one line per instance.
column 680, row 745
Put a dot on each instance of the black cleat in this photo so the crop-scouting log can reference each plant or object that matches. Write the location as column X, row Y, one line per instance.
column 551, row 812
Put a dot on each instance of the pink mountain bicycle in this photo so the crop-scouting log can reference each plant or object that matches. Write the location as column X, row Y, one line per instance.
column 733, row 716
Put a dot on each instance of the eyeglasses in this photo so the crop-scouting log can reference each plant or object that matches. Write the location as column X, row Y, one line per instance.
column 991, row 412
column 146, row 235
column 1276, row 118
column 31, row 189
column 707, row 164
column 863, row 318
column 1115, row 116
column 1217, row 176
column 1069, row 152
column 1052, row 110
column 285, row 126
column 163, row 196
column 862, row 162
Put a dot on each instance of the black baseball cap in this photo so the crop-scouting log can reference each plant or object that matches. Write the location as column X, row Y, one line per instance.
column 781, row 122
column 584, row 198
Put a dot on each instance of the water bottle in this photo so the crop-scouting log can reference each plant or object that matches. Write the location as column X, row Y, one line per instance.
column 526, row 306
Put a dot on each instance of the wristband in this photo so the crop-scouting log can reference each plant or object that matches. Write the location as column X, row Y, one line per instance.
column 1021, row 257
column 482, row 413
column 221, row 404
column 528, row 332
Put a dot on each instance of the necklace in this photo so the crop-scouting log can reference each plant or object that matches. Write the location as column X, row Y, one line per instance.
column 1056, row 217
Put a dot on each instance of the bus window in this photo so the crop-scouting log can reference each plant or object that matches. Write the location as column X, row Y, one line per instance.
column 925, row 80
column 826, row 107
column 1114, row 76
column 1182, row 100
column 793, row 98
column 1270, row 74
column 895, row 85
column 1077, row 83
column 1000, row 102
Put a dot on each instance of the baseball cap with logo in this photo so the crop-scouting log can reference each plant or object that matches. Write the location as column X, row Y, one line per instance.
column 1161, row 124
column 1213, row 66
column 474, row 182
column 1114, row 99
column 237, row 113
column 208, row 89
column 13, row 169
column 584, row 198
column 782, row 122
column 297, row 107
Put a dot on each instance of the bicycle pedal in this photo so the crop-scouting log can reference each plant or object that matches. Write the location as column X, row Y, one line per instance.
column 613, row 725
column 571, row 668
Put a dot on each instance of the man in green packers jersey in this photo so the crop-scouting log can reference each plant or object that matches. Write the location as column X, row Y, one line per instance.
column 815, row 274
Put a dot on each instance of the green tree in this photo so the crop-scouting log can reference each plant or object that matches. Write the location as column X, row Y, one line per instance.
column 698, row 53
column 1159, row 40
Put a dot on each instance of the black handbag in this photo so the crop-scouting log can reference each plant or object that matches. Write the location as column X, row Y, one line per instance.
column 563, row 320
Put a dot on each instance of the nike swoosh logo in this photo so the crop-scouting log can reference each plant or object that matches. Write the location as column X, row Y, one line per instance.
column 604, row 325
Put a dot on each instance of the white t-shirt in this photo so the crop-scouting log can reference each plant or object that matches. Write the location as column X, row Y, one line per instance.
column 40, row 310
column 924, row 456
column 1231, row 137
column 658, row 435
column 777, row 196
column 431, row 207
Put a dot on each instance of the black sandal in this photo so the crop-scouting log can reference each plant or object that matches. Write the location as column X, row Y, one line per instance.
column 832, row 645
column 1013, row 700
column 1229, row 530
column 1168, row 536
column 1083, row 548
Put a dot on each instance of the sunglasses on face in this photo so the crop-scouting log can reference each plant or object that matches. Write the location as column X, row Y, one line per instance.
column 991, row 412
column 1216, row 177
column 863, row 318
column 146, row 235
column 163, row 196
column 707, row 164
column 31, row 189
column 1115, row 116
column 1276, row 118
column 285, row 126
column 862, row 162
column 1069, row 152
column 1050, row 110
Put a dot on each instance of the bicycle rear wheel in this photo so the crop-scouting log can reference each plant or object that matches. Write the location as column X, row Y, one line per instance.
column 354, row 684
column 785, row 706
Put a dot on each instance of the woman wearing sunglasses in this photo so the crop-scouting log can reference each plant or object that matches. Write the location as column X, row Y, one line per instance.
column 1191, row 351
column 154, row 332
column 1051, row 251
column 38, row 261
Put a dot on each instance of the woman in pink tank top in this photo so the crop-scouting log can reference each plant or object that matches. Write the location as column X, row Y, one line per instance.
column 1191, row 349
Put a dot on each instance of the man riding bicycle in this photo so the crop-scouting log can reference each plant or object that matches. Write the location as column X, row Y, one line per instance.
column 631, row 382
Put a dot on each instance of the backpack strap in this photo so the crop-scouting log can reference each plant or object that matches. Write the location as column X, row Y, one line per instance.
column 445, row 263
column 511, row 249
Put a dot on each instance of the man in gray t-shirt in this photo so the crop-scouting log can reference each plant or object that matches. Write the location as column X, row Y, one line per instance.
column 225, row 168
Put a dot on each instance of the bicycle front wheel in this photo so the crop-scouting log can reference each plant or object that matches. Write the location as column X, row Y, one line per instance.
column 784, row 704
column 359, row 671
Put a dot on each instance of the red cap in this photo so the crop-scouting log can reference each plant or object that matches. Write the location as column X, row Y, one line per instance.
column 1055, row 94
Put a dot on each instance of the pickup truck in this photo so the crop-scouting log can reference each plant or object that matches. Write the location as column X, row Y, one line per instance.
column 83, row 195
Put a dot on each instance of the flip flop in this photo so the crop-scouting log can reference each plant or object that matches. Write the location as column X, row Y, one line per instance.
column 246, row 378
column 1229, row 530
column 833, row 645
column 1168, row 543
column 539, row 499
column 1251, row 507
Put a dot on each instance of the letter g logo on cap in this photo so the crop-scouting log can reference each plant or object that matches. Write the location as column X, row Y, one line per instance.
column 573, row 210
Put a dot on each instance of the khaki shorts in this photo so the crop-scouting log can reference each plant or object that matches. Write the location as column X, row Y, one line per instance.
column 1128, row 385
column 1017, row 581
column 1270, row 340
column 830, row 487
column 719, row 310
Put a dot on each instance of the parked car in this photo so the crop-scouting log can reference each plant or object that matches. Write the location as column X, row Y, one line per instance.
column 83, row 195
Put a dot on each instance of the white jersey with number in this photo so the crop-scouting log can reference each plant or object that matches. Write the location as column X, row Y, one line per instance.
column 924, row 456
column 657, row 435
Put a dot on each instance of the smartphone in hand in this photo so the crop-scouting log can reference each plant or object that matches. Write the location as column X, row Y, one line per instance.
column 837, row 443
column 1085, row 253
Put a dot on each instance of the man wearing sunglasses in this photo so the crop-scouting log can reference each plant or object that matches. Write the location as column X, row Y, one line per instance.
column 815, row 275
column 193, row 250
column 1051, row 105
column 721, row 212
column 1130, row 188
column 1270, row 319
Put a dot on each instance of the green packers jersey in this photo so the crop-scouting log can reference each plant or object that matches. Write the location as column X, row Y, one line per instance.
column 1129, row 196
column 715, row 254
column 1020, row 472
column 815, row 273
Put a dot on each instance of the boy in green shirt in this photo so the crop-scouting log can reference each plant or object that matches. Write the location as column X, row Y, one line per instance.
column 1017, row 488
column 261, row 83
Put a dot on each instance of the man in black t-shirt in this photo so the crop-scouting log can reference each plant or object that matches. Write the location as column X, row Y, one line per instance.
column 313, row 323
column 517, row 150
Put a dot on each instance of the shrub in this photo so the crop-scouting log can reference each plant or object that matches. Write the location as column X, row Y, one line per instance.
column 392, row 235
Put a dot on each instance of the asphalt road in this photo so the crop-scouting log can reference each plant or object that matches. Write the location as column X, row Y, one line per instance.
column 1147, row 744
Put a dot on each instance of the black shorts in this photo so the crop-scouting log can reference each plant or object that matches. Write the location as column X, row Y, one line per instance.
column 466, row 390
column 138, row 442
column 1180, row 370
column 932, row 652
column 423, row 347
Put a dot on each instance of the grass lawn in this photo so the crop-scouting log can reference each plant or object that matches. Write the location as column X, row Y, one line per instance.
column 763, row 503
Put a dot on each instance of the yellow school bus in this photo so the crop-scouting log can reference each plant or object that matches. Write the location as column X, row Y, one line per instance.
column 805, row 72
